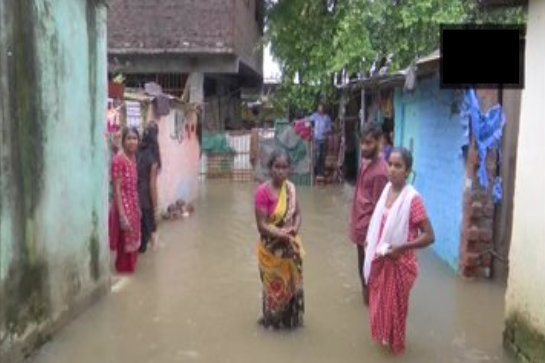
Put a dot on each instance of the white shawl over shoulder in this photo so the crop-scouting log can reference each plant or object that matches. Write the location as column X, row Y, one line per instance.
column 396, row 228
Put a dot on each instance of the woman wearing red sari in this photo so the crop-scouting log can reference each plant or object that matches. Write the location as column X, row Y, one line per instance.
column 399, row 226
column 125, row 211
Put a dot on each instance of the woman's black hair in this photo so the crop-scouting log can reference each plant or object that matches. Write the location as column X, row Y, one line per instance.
column 278, row 153
column 406, row 155
column 150, row 142
column 127, row 131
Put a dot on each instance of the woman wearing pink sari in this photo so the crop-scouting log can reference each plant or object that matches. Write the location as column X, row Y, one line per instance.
column 124, row 219
column 399, row 226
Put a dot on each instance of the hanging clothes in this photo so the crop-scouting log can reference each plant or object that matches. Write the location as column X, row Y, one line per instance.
column 487, row 129
column 162, row 104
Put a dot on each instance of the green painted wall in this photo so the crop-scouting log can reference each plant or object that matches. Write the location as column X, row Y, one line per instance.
column 53, row 213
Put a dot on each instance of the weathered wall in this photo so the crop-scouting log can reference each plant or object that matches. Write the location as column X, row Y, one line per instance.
column 183, row 36
column 248, row 34
column 180, row 157
column 525, row 305
column 424, row 122
column 479, row 207
column 53, row 253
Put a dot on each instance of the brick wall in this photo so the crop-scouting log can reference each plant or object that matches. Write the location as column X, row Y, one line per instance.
column 478, row 224
column 479, row 209
column 424, row 120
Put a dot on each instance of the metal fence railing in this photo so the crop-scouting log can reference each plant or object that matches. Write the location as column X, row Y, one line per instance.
column 241, row 156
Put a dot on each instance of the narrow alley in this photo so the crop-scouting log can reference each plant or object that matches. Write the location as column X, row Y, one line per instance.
column 197, row 299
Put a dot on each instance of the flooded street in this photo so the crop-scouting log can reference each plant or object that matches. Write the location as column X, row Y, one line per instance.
column 198, row 298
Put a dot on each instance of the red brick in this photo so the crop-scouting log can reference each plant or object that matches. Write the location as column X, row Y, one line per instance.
column 486, row 235
column 477, row 247
column 486, row 260
column 489, row 210
column 469, row 272
column 470, row 259
column 473, row 233
column 476, row 210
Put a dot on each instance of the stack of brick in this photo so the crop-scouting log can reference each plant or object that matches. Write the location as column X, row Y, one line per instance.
column 478, row 220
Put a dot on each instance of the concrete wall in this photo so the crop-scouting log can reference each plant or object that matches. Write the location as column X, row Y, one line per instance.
column 423, row 122
column 525, row 305
column 202, row 29
column 248, row 34
column 53, row 179
column 180, row 156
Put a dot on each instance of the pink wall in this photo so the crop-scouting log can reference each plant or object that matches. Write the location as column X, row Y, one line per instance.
column 179, row 176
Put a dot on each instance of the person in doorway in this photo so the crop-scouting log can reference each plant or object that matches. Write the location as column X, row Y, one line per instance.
column 124, row 228
column 387, row 144
column 371, row 182
column 399, row 226
column 149, row 164
column 323, row 127
column 280, row 251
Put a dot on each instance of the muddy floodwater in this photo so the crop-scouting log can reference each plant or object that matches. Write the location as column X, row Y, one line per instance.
column 197, row 299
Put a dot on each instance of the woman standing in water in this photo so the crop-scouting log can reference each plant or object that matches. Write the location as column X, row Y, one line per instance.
column 125, row 211
column 280, row 250
column 149, row 163
column 399, row 226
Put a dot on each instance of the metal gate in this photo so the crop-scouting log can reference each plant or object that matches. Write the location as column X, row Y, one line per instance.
column 241, row 156
column 232, row 161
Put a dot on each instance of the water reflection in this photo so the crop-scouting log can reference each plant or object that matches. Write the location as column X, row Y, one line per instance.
column 198, row 299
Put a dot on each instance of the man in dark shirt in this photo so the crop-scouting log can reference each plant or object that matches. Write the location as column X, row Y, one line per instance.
column 371, row 182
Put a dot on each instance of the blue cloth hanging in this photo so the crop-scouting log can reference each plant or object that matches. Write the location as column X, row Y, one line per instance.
column 497, row 191
column 487, row 130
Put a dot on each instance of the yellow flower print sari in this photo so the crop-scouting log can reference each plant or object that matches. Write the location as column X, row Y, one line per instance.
column 281, row 268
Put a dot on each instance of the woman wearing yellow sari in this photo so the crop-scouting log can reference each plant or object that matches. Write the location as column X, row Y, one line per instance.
column 280, row 250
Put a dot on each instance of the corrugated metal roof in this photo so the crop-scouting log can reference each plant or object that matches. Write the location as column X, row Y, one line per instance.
column 393, row 79
column 434, row 56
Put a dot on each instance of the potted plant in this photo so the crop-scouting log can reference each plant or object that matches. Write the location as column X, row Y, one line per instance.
column 116, row 88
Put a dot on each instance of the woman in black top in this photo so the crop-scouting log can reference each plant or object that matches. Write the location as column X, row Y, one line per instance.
column 149, row 164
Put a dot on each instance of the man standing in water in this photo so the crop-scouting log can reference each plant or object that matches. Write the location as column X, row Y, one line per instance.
column 322, row 129
column 371, row 182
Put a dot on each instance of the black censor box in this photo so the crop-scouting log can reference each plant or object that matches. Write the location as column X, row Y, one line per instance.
column 482, row 56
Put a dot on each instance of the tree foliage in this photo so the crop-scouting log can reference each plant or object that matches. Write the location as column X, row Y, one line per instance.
column 314, row 39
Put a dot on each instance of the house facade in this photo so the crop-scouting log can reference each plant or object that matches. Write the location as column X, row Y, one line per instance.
column 471, row 226
column 214, row 41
